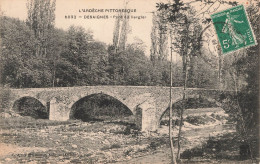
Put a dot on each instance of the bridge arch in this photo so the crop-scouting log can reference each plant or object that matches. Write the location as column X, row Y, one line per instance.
column 196, row 97
column 80, row 107
column 30, row 106
column 122, row 100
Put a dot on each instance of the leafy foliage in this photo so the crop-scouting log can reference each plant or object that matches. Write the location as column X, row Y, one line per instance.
column 74, row 59
column 248, row 66
column 4, row 96
column 41, row 20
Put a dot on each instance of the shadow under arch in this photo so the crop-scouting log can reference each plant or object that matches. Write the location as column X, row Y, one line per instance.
column 30, row 106
column 191, row 102
column 98, row 107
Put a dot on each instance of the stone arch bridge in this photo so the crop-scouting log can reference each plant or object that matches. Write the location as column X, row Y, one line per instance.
column 152, row 101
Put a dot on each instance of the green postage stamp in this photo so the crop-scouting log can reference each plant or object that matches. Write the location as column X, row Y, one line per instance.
column 233, row 29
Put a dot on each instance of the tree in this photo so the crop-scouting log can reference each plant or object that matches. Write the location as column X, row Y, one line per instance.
column 116, row 32
column 98, row 64
column 247, row 100
column 159, row 46
column 125, row 29
column 187, row 32
column 238, row 67
column 121, row 30
column 186, row 43
column 137, row 68
column 57, row 44
column 82, row 61
column 20, row 67
column 41, row 19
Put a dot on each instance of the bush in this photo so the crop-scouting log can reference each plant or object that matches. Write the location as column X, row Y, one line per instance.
column 153, row 145
column 213, row 146
column 194, row 152
column 131, row 129
column 4, row 98
column 157, row 142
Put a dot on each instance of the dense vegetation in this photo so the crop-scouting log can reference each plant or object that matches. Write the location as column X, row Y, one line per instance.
column 240, row 67
column 73, row 58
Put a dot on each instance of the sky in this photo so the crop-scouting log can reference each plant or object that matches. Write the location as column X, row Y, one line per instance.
column 102, row 28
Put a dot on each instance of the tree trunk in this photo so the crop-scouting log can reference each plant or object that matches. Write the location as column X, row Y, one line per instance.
column 54, row 74
column 185, row 75
column 220, row 62
column 173, row 160
column 185, row 72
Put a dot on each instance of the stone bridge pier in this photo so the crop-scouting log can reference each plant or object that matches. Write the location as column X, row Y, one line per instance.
column 144, row 112
column 147, row 103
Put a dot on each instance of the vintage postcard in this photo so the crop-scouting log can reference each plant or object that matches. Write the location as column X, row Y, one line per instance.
column 129, row 81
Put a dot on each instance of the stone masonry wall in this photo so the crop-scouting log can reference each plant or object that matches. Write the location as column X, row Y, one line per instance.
column 152, row 101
